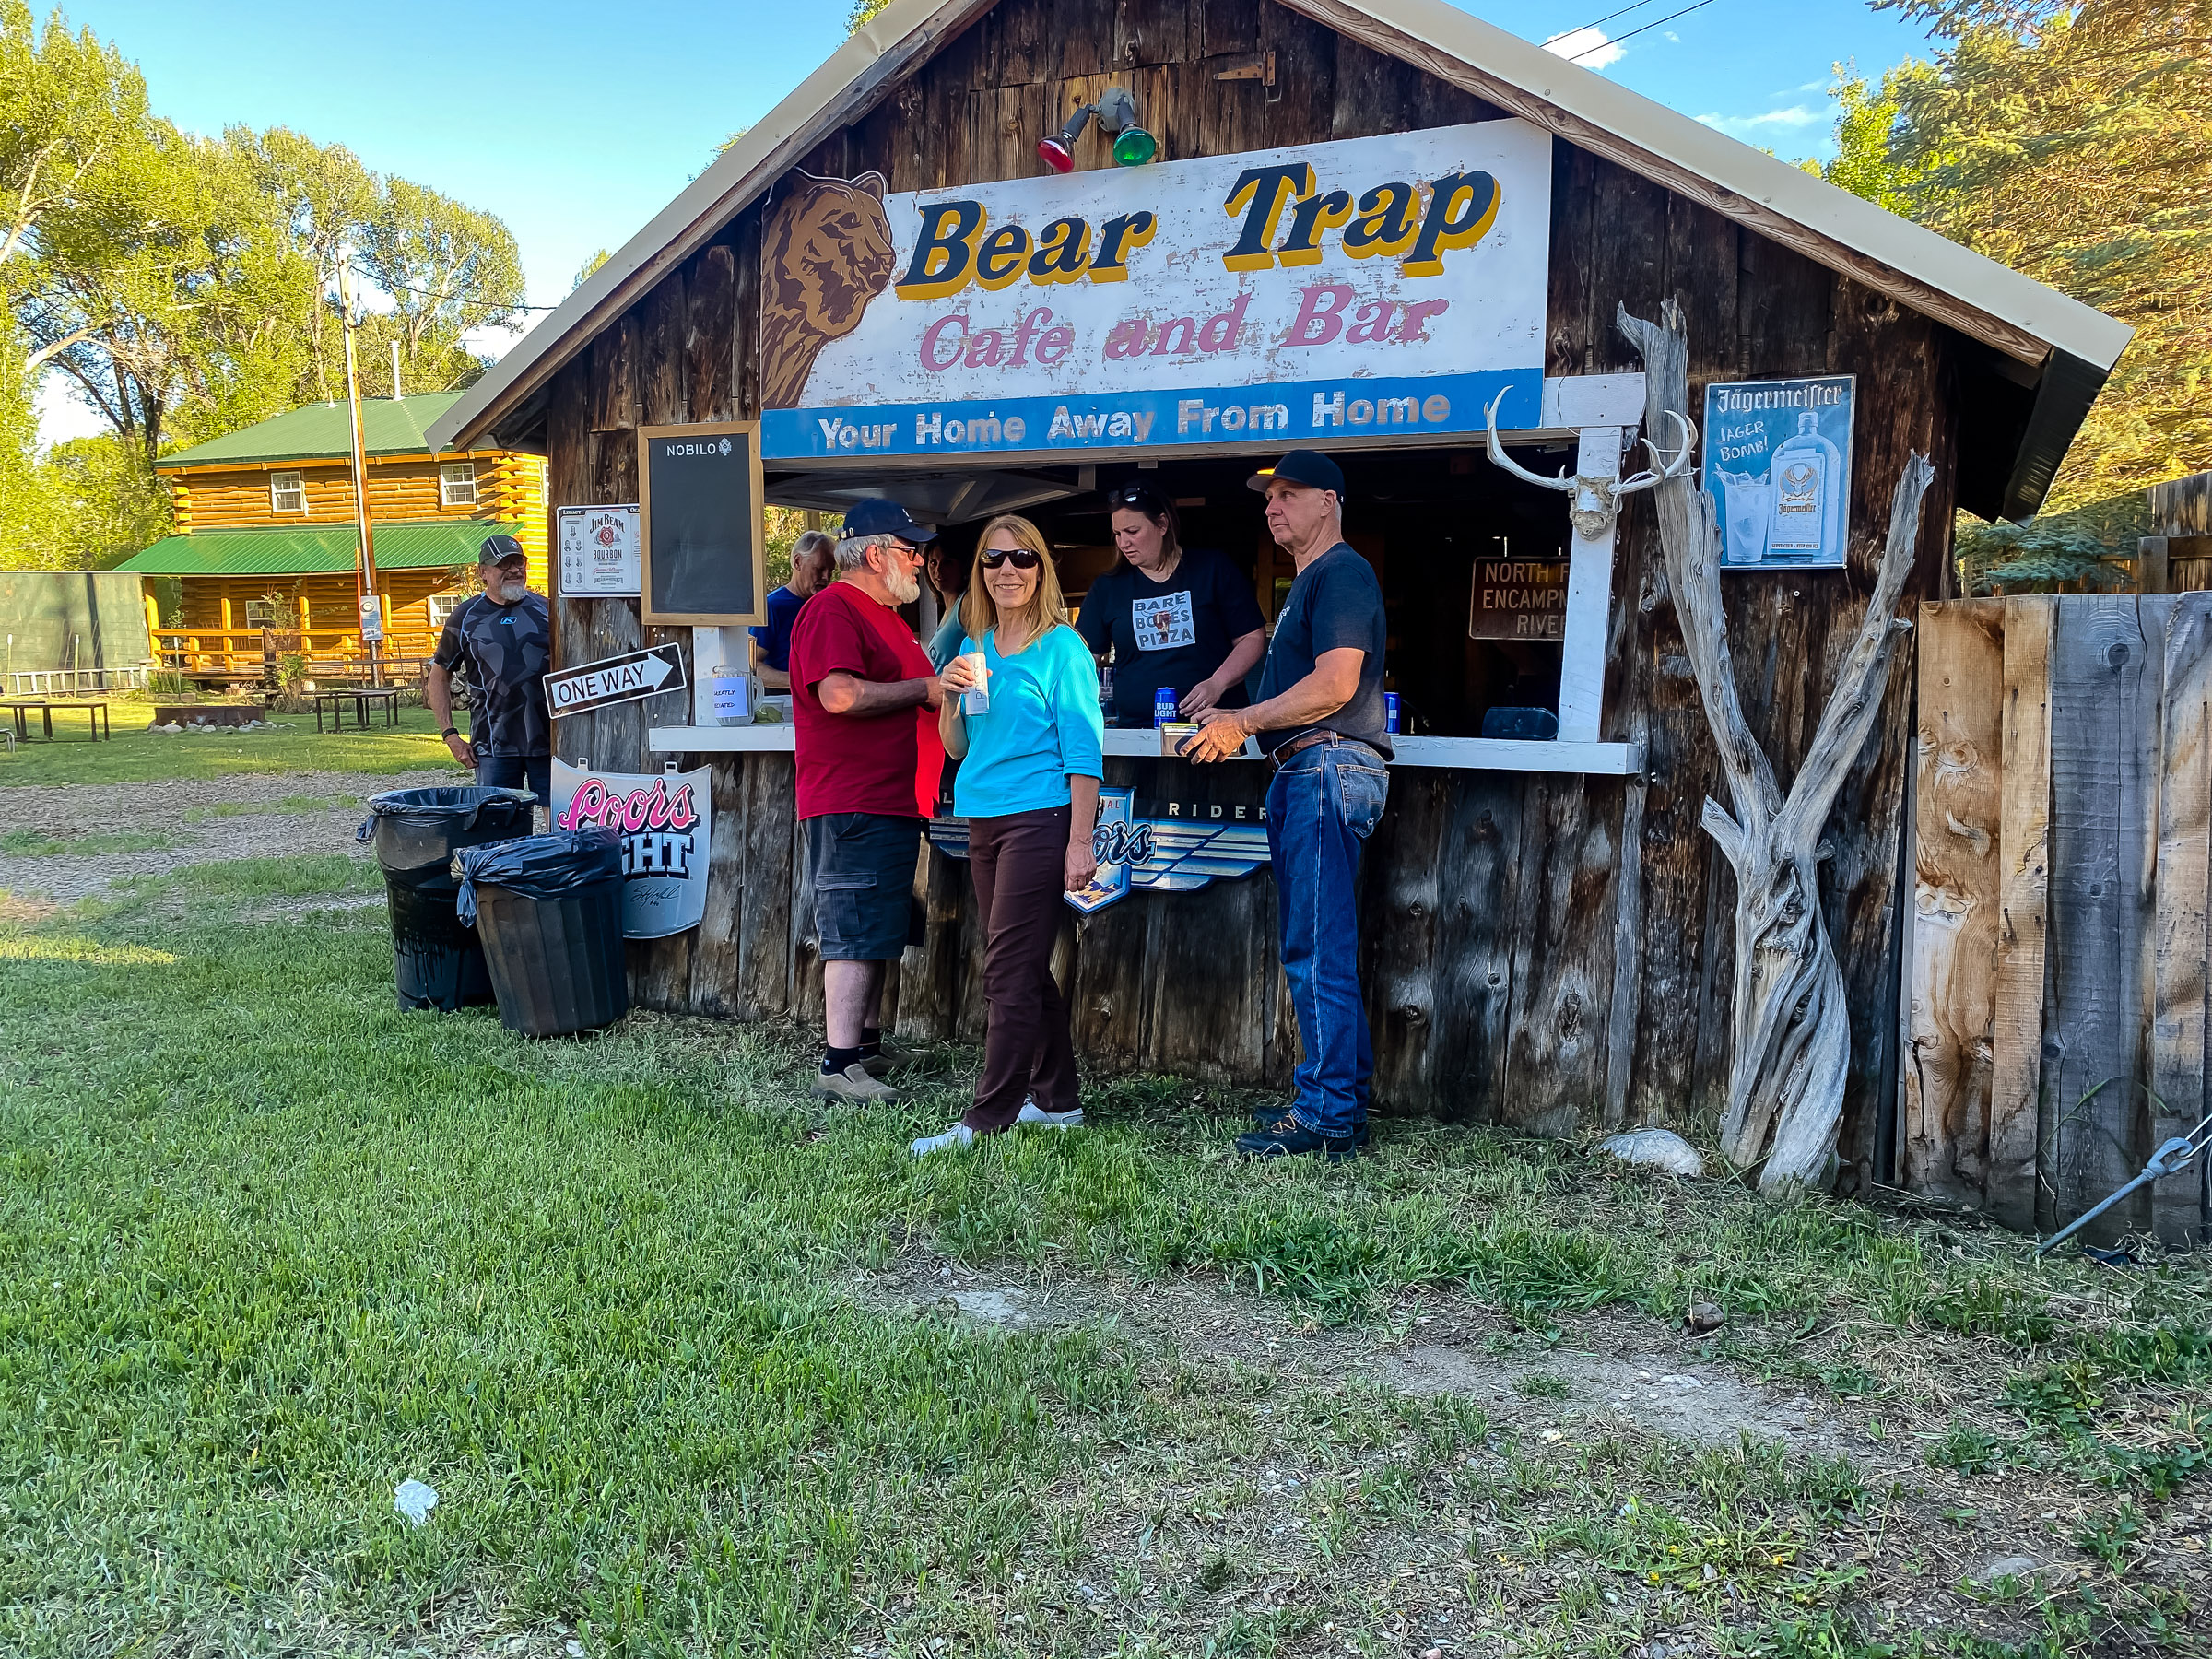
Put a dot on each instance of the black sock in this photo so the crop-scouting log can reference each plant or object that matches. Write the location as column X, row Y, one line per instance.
column 835, row 1060
column 871, row 1041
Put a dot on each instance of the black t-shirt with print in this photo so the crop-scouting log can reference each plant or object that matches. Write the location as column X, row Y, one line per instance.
column 506, row 649
column 1171, row 633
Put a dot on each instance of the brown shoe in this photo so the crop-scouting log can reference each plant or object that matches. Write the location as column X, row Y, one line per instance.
column 852, row 1084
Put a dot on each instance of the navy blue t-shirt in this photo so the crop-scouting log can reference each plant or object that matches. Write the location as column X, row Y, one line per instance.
column 775, row 638
column 506, row 649
column 1171, row 633
column 1334, row 605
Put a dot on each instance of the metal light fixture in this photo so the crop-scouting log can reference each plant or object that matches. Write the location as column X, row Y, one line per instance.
column 1116, row 113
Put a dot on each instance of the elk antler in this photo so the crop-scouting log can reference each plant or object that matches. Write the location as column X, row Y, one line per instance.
column 1499, row 455
column 1665, row 469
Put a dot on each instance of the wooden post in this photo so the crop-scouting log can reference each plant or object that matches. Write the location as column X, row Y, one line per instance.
column 1791, row 1036
column 2152, row 574
column 1589, row 597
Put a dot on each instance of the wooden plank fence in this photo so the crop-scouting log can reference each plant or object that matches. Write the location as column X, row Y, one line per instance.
column 2059, row 998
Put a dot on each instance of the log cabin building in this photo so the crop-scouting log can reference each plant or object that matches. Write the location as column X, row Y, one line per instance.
column 264, row 555
column 1547, row 927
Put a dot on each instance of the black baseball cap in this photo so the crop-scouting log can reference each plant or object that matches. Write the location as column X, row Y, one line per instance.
column 498, row 549
column 876, row 515
column 1309, row 467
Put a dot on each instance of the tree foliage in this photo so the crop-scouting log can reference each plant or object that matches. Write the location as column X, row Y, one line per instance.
column 176, row 282
column 2074, row 144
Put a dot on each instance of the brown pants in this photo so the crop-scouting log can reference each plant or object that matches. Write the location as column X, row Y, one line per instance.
column 1020, row 866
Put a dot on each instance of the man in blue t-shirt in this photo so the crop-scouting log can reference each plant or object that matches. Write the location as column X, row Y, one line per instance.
column 1320, row 718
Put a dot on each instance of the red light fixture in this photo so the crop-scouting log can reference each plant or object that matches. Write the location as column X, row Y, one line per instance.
column 1058, row 152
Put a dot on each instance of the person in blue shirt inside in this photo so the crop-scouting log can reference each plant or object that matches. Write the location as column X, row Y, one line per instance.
column 1321, row 717
column 1182, row 618
column 810, row 557
column 1029, row 787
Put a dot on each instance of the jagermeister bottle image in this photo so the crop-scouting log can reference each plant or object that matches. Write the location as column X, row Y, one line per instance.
column 1806, row 477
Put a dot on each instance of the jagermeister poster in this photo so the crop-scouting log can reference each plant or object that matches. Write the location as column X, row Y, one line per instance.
column 1778, row 467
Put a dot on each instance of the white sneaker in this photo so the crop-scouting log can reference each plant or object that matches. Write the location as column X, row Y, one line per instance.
column 958, row 1135
column 1033, row 1114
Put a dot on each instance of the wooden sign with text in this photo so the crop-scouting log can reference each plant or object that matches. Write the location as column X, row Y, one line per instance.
column 1518, row 599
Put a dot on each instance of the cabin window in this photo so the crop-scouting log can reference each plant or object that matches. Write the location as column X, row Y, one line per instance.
column 457, row 484
column 262, row 613
column 287, row 493
column 441, row 606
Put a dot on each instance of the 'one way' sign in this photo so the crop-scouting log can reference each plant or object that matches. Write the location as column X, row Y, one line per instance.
column 616, row 679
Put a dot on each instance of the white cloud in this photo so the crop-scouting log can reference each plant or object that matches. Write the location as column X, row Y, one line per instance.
column 1793, row 118
column 62, row 414
column 1592, row 47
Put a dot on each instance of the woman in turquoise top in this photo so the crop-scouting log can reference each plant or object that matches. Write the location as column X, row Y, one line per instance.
column 1031, row 759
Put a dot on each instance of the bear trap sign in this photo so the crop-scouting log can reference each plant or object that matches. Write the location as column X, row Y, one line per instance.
column 616, row 679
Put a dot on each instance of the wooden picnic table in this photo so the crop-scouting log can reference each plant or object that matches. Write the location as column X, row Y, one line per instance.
column 96, row 723
column 384, row 697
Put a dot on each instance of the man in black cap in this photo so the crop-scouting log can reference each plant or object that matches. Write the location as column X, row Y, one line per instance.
column 1320, row 715
column 505, row 637
column 863, row 694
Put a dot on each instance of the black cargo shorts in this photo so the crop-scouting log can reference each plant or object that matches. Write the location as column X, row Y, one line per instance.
column 861, row 868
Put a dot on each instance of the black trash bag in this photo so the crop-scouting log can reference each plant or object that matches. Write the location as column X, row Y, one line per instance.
column 539, row 866
column 549, row 910
column 437, row 961
column 414, row 828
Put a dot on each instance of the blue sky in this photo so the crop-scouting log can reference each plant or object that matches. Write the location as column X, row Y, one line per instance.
column 576, row 123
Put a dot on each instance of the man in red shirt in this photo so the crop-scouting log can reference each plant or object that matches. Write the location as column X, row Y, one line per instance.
column 862, row 696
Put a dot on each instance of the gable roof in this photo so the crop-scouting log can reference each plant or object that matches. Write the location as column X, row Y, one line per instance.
column 323, row 433
column 2037, row 326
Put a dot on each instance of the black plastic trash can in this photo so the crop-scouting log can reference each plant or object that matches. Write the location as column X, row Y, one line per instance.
column 435, row 958
column 549, row 911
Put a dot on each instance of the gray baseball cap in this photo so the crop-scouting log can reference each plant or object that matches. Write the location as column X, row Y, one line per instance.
column 498, row 549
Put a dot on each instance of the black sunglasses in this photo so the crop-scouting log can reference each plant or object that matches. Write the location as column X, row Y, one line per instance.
column 1139, row 499
column 1023, row 559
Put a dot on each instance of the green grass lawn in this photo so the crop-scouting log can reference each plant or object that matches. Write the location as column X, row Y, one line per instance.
column 138, row 754
column 272, row 1246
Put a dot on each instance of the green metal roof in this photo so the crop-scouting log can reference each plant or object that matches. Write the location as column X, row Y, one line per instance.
column 309, row 552
column 322, row 433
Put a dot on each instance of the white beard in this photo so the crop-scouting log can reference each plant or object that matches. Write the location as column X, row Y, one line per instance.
column 507, row 593
column 906, row 587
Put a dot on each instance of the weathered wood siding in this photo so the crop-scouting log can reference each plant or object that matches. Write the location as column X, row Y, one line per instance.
column 1549, row 951
column 2062, row 947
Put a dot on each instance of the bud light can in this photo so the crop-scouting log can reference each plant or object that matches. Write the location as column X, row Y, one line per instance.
column 1163, row 706
column 1390, row 713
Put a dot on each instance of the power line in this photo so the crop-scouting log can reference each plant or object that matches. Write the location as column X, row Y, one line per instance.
column 1609, row 17
column 1633, row 33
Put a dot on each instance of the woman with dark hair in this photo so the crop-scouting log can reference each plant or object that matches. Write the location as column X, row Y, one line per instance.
column 810, row 559
column 1181, row 618
column 947, row 572
column 1021, row 712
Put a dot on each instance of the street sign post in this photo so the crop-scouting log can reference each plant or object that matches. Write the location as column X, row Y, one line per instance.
column 616, row 679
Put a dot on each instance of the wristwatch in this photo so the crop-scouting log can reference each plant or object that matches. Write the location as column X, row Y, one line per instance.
column 451, row 732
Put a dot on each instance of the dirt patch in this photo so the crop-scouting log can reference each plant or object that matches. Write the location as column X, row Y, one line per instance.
column 1603, row 1372
column 325, row 811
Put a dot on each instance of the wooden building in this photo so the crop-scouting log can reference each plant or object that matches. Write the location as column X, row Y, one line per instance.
column 1547, row 927
column 266, row 551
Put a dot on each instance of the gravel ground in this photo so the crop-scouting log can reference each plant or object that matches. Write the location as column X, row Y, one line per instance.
column 163, row 807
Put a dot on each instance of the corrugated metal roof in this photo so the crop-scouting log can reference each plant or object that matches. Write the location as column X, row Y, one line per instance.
column 322, row 433
column 313, row 552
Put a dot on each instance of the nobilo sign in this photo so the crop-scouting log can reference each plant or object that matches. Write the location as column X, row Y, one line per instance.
column 1389, row 286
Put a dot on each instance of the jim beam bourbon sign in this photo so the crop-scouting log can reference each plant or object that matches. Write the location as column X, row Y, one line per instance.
column 1518, row 599
column 599, row 552
column 663, row 820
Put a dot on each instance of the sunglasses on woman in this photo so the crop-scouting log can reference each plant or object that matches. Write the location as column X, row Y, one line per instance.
column 1024, row 559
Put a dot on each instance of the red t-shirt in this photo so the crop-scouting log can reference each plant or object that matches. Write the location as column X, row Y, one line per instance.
column 881, row 764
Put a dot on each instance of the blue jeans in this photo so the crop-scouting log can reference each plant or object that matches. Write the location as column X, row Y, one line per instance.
column 1324, row 803
column 533, row 772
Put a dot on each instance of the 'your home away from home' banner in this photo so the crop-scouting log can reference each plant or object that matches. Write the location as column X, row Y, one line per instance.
column 1378, row 286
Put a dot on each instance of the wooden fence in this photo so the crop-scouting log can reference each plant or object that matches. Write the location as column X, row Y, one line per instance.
column 2059, row 1003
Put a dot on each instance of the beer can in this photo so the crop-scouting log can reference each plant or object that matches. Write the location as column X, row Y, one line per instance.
column 1390, row 713
column 1163, row 706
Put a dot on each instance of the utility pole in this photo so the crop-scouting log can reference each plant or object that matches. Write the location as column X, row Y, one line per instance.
column 351, row 315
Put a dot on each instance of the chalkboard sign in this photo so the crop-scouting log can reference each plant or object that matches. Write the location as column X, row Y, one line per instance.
column 699, row 500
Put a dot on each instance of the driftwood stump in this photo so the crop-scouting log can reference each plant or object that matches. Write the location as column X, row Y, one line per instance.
column 1792, row 1028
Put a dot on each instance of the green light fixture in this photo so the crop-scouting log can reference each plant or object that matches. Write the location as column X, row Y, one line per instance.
column 1133, row 145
